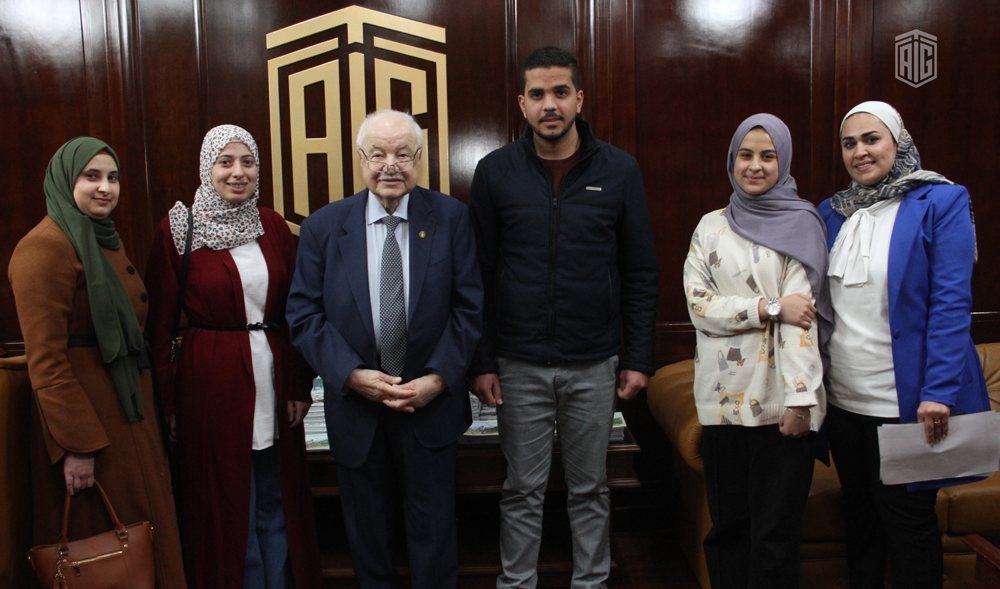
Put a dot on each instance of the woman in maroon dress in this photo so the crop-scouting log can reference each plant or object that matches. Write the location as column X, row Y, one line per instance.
column 238, row 391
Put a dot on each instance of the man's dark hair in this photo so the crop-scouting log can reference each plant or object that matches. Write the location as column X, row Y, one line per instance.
column 547, row 57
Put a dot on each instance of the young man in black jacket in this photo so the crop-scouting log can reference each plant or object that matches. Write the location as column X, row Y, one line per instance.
column 569, row 272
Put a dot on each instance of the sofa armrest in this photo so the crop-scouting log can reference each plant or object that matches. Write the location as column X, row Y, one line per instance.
column 671, row 401
column 989, row 356
column 972, row 507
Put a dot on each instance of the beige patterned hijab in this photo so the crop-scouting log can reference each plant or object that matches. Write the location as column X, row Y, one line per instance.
column 218, row 225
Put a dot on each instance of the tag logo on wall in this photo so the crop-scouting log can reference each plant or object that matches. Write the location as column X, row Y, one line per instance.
column 325, row 75
column 916, row 58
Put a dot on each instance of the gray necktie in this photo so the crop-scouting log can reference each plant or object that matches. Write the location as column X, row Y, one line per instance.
column 392, row 304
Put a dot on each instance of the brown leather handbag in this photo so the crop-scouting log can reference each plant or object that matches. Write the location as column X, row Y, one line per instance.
column 119, row 559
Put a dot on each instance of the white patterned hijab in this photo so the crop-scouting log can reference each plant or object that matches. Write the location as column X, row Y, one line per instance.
column 218, row 225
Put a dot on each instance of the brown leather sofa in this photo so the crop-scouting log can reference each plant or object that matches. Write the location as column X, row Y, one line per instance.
column 961, row 510
column 15, row 480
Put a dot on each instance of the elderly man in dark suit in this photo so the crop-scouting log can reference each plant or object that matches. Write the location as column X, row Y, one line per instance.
column 386, row 305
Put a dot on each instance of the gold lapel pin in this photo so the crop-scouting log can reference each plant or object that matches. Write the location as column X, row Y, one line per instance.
column 423, row 234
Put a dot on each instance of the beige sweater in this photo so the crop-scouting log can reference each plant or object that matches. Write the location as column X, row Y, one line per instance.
column 747, row 371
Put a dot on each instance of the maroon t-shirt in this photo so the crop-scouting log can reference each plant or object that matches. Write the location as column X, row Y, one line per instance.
column 559, row 168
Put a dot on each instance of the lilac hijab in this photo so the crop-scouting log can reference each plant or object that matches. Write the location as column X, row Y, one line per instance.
column 779, row 219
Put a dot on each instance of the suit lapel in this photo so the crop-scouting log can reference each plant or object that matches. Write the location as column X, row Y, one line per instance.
column 422, row 224
column 909, row 217
column 354, row 250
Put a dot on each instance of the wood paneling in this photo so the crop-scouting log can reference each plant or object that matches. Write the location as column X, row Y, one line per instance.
column 45, row 99
column 954, row 120
column 701, row 70
column 667, row 81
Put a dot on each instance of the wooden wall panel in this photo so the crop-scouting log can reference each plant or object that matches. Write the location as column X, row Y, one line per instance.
column 702, row 69
column 235, row 72
column 61, row 78
column 667, row 81
column 169, row 94
column 954, row 120
column 44, row 101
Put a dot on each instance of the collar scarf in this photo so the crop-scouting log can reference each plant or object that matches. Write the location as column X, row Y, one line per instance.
column 904, row 176
column 779, row 219
column 119, row 337
column 218, row 225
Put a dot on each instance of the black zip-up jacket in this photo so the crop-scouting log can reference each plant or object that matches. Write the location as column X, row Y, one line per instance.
column 566, row 276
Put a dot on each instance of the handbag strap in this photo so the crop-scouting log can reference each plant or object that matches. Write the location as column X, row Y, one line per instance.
column 184, row 274
column 64, row 537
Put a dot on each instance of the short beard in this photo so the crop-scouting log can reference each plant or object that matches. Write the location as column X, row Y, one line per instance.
column 571, row 124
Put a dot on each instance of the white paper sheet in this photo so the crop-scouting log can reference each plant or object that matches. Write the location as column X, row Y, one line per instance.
column 971, row 448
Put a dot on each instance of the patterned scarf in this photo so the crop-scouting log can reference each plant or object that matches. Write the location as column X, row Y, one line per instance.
column 218, row 225
column 904, row 176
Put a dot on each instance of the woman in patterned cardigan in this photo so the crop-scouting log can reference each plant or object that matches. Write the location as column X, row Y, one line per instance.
column 755, row 282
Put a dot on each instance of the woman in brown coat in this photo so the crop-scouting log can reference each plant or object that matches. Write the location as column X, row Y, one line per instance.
column 82, row 306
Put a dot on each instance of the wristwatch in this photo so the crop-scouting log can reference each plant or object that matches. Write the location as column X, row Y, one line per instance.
column 773, row 308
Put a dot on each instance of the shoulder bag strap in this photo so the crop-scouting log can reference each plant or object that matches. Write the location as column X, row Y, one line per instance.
column 182, row 284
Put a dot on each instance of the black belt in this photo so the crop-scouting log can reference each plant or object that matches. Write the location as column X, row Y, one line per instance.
column 246, row 327
column 76, row 340
column 81, row 341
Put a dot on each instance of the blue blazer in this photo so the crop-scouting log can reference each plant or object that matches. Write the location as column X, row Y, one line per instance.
column 330, row 317
column 930, row 301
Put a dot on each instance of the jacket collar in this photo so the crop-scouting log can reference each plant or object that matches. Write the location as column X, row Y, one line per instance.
column 588, row 141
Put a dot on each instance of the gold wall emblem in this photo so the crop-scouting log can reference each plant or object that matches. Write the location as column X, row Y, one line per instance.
column 326, row 75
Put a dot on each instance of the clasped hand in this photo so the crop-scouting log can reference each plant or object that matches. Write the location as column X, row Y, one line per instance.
column 796, row 309
column 379, row 387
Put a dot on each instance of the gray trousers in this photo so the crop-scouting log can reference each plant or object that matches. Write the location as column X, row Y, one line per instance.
column 579, row 397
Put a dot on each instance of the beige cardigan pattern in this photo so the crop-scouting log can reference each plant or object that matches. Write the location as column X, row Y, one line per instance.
column 747, row 370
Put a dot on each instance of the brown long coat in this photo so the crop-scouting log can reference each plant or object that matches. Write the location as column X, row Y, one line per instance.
column 76, row 408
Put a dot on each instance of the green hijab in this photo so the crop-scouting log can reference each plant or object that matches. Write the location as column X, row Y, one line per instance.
column 118, row 335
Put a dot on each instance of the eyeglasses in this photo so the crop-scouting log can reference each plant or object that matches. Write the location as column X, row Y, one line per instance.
column 377, row 164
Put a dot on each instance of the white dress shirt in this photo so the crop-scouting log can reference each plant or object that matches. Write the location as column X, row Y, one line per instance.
column 375, row 233
column 253, row 274
column 861, row 375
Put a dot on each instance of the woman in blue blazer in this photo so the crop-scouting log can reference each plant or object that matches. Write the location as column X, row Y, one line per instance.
column 902, row 248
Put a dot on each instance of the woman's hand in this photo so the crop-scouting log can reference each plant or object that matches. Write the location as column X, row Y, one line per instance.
column 297, row 412
column 795, row 425
column 796, row 309
column 934, row 416
column 79, row 472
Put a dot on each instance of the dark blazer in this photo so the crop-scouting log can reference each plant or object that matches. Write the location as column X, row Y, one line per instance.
column 930, row 302
column 330, row 316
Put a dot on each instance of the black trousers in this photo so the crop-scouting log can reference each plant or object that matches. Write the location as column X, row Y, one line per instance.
column 885, row 523
column 401, row 473
column 757, row 482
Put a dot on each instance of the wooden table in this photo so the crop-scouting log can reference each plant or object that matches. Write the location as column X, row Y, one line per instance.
column 987, row 560
column 481, row 471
